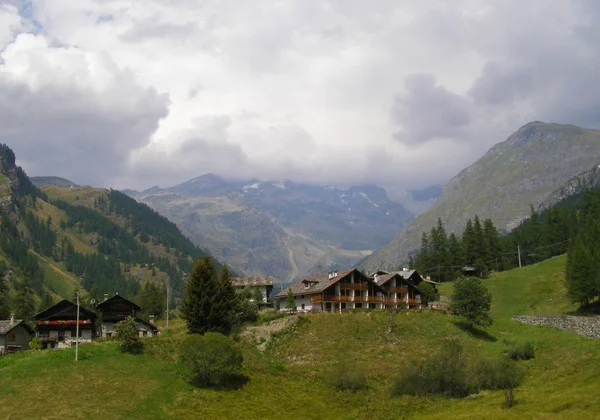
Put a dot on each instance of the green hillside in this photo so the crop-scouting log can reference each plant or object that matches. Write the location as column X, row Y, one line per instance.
column 54, row 241
column 292, row 378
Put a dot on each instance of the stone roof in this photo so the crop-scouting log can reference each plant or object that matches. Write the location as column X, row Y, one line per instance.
column 251, row 281
column 6, row 326
column 317, row 283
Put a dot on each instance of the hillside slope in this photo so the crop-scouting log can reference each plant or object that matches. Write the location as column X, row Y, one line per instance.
column 502, row 185
column 280, row 229
column 292, row 378
column 58, row 240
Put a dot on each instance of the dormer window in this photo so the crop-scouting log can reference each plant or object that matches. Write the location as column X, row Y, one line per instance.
column 306, row 285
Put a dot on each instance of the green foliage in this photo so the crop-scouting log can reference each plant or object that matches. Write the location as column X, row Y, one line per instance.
column 348, row 377
column 427, row 293
column 153, row 300
column 472, row 301
column 4, row 309
column 210, row 304
column 290, row 302
column 521, row 350
column 36, row 344
column 446, row 373
column 210, row 359
column 24, row 300
column 500, row 374
column 126, row 332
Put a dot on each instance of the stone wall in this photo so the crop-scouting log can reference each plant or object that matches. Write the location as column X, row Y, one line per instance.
column 581, row 325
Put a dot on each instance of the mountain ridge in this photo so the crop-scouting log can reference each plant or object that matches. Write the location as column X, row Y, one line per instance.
column 513, row 175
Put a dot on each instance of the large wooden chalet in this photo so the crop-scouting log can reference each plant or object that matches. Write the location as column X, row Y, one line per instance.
column 401, row 288
column 115, row 309
column 56, row 326
column 335, row 291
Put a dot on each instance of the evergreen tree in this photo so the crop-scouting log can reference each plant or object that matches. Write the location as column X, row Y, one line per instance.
column 228, row 301
column 455, row 252
column 4, row 310
column 24, row 303
column 492, row 243
column 469, row 244
column 200, row 308
column 152, row 300
column 45, row 302
column 290, row 302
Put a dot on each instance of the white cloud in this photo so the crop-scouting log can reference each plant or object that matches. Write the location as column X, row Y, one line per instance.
column 400, row 94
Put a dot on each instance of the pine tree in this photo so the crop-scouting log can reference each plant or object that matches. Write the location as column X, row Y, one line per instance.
column 492, row 242
column 228, row 300
column 579, row 272
column 201, row 306
column 469, row 244
column 45, row 302
column 24, row 303
column 455, row 253
column 4, row 311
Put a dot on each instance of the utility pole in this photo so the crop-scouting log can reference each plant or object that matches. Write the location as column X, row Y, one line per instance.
column 167, row 305
column 519, row 251
column 77, row 331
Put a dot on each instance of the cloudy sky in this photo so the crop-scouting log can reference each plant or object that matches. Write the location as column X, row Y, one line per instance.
column 404, row 94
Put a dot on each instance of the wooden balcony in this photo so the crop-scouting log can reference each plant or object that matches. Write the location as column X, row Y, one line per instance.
column 358, row 299
column 396, row 289
column 354, row 286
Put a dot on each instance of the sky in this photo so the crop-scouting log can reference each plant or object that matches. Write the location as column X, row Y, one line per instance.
column 401, row 94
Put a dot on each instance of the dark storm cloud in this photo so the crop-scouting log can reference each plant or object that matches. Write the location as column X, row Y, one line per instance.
column 77, row 134
column 427, row 110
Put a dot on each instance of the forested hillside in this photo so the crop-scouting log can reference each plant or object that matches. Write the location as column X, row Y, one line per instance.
column 569, row 226
column 54, row 241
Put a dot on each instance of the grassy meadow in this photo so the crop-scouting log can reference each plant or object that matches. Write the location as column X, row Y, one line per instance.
column 292, row 377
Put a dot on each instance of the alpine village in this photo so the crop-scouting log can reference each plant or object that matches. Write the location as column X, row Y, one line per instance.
column 299, row 210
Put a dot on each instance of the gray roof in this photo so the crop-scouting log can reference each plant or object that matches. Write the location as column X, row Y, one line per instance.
column 251, row 281
column 6, row 326
column 318, row 283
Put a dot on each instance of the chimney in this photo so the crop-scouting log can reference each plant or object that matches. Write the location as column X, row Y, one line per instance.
column 404, row 269
column 105, row 296
column 375, row 277
column 12, row 319
column 151, row 319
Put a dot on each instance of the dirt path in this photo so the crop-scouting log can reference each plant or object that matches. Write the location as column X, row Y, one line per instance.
column 261, row 335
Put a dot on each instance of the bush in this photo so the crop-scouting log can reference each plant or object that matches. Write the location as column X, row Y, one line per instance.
column 126, row 332
column 427, row 293
column 211, row 359
column 36, row 344
column 472, row 301
column 444, row 374
column 347, row 377
column 521, row 351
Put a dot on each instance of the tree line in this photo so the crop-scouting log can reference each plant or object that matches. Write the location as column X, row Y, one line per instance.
column 572, row 226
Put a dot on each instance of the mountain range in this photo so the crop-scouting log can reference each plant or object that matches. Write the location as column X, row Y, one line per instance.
column 524, row 171
column 282, row 229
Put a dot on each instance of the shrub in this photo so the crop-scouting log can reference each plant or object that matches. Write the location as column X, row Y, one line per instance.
column 427, row 293
column 444, row 374
column 126, row 332
column 472, row 301
column 211, row 359
column 502, row 374
column 348, row 377
column 36, row 344
column 521, row 351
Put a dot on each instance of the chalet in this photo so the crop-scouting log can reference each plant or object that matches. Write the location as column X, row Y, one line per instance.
column 116, row 309
column 14, row 335
column 401, row 289
column 56, row 326
column 262, row 284
column 335, row 292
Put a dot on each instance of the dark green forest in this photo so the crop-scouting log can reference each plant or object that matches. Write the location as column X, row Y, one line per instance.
column 571, row 226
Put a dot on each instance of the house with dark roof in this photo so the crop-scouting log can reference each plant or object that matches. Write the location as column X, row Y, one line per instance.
column 401, row 289
column 263, row 284
column 14, row 335
column 56, row 326
column 335, row 291
column 115, row 309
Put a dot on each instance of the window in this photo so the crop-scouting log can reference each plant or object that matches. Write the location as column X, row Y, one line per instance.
column 12, row 337
column 303, row 306
column 302, row 297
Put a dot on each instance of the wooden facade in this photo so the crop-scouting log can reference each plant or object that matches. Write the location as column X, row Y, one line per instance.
column 116, row 309
column 57, row 325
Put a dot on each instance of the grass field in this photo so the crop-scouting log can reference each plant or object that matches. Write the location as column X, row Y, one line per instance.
column 291, row 379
